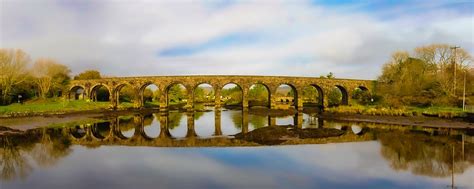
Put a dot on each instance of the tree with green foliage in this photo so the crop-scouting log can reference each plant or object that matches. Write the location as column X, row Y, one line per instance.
column 330, row 75
column 176, row 93
column 233, row 94
column 311, row 95
column 199, row 94
column 127, row 94
column 88, row 74
column 258, row 92
column 334, row 97
column 362, row 97
column 426, row 77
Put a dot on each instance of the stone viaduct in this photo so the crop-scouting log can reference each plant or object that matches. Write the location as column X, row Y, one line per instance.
column 138, row 84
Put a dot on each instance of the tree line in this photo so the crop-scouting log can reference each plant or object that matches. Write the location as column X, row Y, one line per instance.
column 431, row 75
column 22, row 78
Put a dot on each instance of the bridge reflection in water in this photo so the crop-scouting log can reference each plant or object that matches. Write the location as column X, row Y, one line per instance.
column 179, row 129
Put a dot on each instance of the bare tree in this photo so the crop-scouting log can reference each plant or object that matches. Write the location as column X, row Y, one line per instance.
column 13, row 69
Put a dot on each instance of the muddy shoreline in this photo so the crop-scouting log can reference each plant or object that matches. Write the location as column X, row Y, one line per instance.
column 423, row 121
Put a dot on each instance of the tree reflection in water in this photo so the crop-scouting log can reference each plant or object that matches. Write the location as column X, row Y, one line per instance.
column 236, row 119
column 258, row 121
column 425, row 155
column 174, row 119
column 14, row 160
column 45, row 147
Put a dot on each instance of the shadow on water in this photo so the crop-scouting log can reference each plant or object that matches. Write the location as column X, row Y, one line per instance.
column 433, row 152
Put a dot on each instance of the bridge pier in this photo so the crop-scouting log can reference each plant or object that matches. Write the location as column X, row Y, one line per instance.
column 164, row 102
column 217, row 98
column 164, row 128
column 217, row 122
column 191, row 132
column 190, row 101
column 245, row 120
column 299, row 102
column 271, row 121
column 298, row 120
column 138, row 122
column 245, row 100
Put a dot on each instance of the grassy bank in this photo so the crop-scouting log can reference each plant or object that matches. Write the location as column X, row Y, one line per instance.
column 442, row 112
column 56, row 105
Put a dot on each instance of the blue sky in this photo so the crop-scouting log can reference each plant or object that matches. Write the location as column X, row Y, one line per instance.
column 353, row 39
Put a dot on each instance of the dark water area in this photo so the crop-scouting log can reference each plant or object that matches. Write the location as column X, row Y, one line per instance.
column 213, row 150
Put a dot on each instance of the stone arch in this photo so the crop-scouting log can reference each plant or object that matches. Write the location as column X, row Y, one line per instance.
column 361, row 95
column 292, row 101
column 344, row 99
column 141, row 92
column 208, row 98
column 269, row 93
column 94, row 92
column 226, row 99
column 118, row 97
column 362, row 87
column 320, row 98
column 74, row 93
column 185, row 96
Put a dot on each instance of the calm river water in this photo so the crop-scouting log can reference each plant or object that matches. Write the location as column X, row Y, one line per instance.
column 198, row 150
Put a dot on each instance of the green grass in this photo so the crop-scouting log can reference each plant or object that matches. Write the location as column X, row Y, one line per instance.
column 54, row 105
column 443, row 112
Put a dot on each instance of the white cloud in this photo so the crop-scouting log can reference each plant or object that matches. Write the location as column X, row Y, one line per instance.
column 124, row 38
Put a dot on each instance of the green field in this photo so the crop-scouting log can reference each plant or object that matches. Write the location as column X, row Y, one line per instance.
column 56, row 105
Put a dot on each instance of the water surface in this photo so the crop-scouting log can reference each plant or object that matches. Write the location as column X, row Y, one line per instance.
column 198, row 150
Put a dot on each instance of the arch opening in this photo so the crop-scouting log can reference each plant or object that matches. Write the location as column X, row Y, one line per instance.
column 286, row 97
column 313, row 97
column 177, row 96
column 100, row 93
column 259, row 96
column 231, row 95
column 204, row 96
column 150, row 95
column 77, row 93
column 125, row 96
column 337, row 96
column 362, row 96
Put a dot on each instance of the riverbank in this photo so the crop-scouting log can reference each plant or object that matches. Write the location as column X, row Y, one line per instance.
column 422, row 121
column 63, row 109
column 441, row 112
